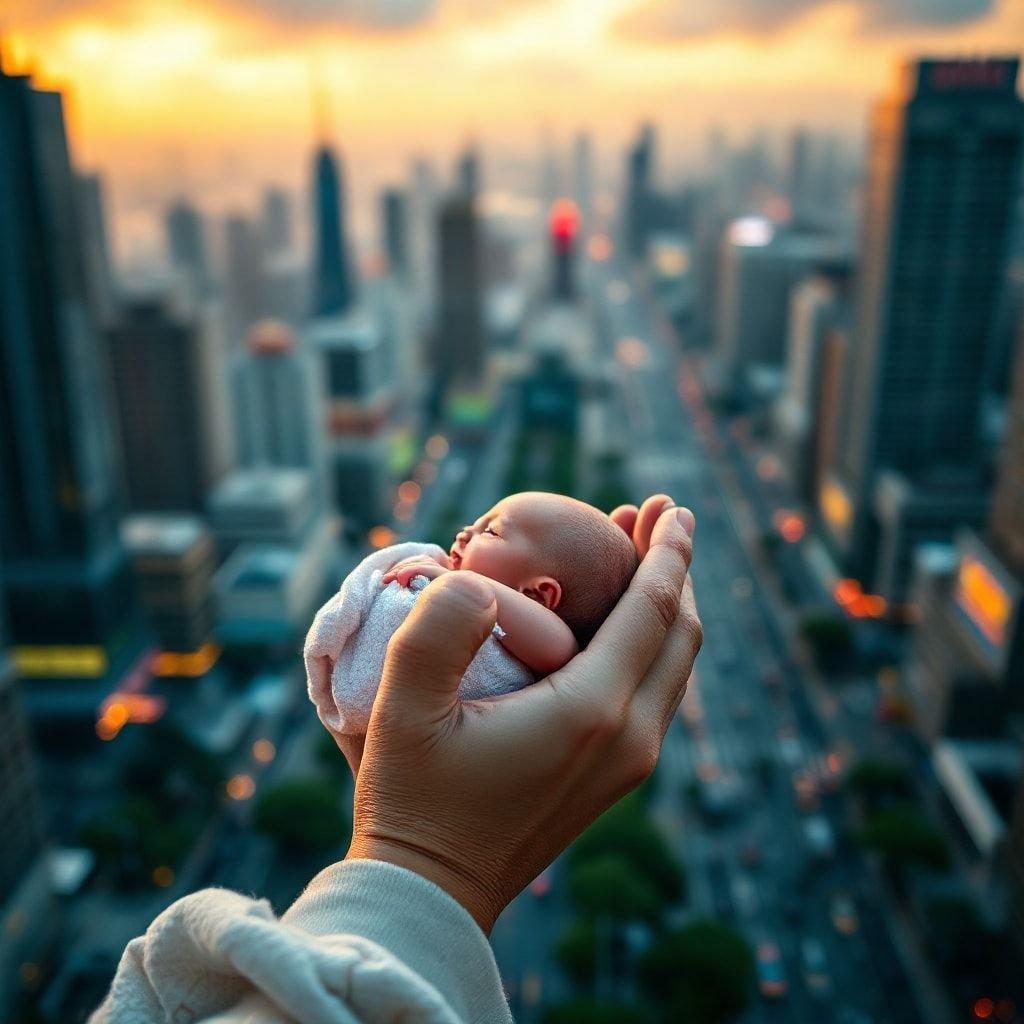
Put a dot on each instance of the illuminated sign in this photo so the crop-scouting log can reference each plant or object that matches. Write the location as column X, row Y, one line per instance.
column 60, row 662
column 985, row 602
column 197, row 663
column 836, row 506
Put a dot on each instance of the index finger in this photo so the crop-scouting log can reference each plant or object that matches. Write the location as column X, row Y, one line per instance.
column 631, row 637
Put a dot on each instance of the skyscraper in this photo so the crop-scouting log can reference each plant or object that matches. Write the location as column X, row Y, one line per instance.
column 245, row 276
column 94, row 238
column 334, row 285
column 26, row 906
column 168, row 383
column 583, row 178
column 1007, row 529
column 459, row 351
column 277, row 221
column 186, row 244
column 395, row 231
column 468, row 172
column 639, row 174
column 64, row 569
column 278, row 403
column 943, row 174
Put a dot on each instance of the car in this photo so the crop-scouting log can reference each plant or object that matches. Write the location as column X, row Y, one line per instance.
column 771, row 975
column 820, row 837
column 843, row 912
column 816, row 976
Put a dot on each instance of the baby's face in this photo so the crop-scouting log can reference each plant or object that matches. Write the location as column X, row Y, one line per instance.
column 504, row 544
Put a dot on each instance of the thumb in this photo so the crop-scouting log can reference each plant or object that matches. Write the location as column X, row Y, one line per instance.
column 429, row 653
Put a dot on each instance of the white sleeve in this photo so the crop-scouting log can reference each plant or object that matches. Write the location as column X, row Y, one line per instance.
column 366, row 943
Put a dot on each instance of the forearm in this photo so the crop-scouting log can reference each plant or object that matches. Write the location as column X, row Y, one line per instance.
column 534, row 634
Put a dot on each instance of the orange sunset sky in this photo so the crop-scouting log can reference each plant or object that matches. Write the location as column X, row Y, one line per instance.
column 216, row 93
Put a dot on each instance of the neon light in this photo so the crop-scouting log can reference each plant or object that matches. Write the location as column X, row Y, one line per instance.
column 197, row 663
column 60, row 662
column 835, row 505
column 983, row 599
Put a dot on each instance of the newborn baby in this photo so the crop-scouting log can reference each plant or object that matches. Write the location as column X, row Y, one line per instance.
column 557, row 567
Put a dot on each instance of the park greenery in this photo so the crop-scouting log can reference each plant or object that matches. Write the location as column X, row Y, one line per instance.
column 625, row 960
column 905, row 838
column 303, row 815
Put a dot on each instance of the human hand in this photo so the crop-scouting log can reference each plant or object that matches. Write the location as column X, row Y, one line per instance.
column 480, row 796
column 409, row 568
column 639, row 523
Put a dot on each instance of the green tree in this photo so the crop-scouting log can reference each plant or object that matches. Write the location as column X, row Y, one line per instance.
column 303, row 815
column 609, row 886
column 906, row 838
column 576, row 952
column 626, row 830
column 876, row 780
column 593, row 1011
column 700, row 973
column 829, row 637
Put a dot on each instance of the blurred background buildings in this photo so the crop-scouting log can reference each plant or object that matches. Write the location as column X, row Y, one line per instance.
column 816, row 344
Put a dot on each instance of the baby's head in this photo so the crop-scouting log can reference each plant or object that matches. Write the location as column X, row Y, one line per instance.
column 565, row 554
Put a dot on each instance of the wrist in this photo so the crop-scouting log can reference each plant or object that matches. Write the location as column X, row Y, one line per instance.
column 471, row 895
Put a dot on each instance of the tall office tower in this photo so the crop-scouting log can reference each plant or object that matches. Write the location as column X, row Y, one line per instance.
column 1007, row 525
column 943, row 174
column 800, row 178
column 759, row 265
column 168, row 382
column 459, row 354
column 334, row 285
column 805, row 420
column 359, row 380
column 395, row 229
column 583, row 178
column 186, row 245
column 278, row 403
column 564, row 228
column 422, row 240
column 65, row 573
column 94, row 239
column 468, row 173
column 26, row 904
column 967, row 672
column 174, row 558
column 245, row 280
column 277, row 221
column 639, row 189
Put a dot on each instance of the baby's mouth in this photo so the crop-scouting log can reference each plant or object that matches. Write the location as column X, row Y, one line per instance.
column 456, row 558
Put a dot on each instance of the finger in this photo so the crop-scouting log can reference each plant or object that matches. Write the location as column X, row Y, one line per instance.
column 352, row 747
column 430, row 652
column 625, row 518
column 663, row 688
column 646, row 519
column 630, row 638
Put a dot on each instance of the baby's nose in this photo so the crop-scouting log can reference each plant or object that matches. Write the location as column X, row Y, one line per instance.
column 463, row 535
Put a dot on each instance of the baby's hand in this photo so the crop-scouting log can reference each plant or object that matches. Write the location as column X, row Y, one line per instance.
column 408, row 569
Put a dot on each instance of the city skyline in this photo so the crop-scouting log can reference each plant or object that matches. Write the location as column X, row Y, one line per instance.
column 221, row 96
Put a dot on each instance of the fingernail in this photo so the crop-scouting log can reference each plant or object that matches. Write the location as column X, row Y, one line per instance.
column 687, row 520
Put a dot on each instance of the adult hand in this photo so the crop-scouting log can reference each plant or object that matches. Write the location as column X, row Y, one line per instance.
column 480, row 796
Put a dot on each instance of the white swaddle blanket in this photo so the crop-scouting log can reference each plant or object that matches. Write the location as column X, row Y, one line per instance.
column 345, row 647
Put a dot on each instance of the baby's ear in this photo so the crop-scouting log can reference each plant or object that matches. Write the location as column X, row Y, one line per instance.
column 545, row 590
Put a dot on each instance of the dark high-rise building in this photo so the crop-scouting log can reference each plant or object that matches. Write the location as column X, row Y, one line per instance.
column 564, row 227
column 395, row 229
column 943, row 174
column 26, row 906
column 459, row 354
column 1007, row 527
column 167, row 386
column 64, row 569
column 468, row 172
column 639, row 174
column 334, row 284
column 186, row 244
column 277, row 221
column 94, row 239
column 583, row 178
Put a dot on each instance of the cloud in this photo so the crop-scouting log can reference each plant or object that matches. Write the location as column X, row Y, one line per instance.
column 680, row 19
column 382, row 14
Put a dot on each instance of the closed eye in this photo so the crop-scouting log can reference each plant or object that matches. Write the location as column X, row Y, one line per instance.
column 490, row 531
